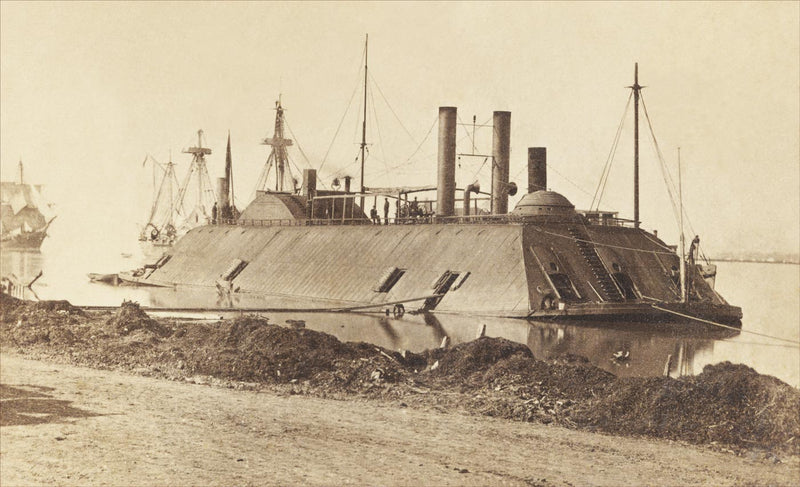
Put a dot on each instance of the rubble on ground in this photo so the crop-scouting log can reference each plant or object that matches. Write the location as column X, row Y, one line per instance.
column 727, row 404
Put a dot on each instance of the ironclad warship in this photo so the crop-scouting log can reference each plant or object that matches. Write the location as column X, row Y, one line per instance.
column 542, row 259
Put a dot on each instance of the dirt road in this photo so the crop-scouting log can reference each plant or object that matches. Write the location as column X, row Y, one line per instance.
column 68, row 425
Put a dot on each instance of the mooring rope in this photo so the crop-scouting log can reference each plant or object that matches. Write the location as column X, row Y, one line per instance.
column 725, row 326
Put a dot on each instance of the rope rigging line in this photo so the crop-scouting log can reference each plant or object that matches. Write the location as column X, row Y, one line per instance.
column 656, row 242
column 726, row 326
column 336, row 134
column 461, row 122
column 474, row 145
column 671, row 182
column 485, row 160
column 182, row 192
column 302, row 152
column 549, row 167
column 390, row 106
column 355, row 139
column 599, row 244
column 291, row 174
column 263, row 177
column 421, row 143
column 663, row 166
column 601, row 185
column 378, row 129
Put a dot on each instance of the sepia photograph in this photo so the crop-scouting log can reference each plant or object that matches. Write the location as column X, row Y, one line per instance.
column 399, row 243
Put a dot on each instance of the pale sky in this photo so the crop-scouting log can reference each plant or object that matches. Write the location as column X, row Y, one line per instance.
column 88, row 89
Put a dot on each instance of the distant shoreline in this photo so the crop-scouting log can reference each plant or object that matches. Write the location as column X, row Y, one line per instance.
column 754, row 261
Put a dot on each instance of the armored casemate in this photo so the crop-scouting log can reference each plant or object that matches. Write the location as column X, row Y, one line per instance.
column 542, row 259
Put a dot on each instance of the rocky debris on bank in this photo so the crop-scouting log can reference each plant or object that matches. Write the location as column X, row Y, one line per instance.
column 728, row 405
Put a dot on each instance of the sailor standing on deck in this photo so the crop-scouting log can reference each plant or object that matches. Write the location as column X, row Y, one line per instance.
column 386, row 211
column 694, row 249
column 214, row 214
column 373, row 213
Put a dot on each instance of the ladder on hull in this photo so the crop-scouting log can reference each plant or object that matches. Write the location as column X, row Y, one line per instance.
column 587, row 249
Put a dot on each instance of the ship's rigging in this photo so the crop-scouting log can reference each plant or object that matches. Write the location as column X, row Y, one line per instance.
column 162, row 219
column 169, row 216
column 206, row 199
column 672, row 189
column 676, row 201
column 278, row 157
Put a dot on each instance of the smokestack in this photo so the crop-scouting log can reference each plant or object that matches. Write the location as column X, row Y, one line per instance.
column 537, row 169
column 223, row 203
column 309, row 190
column 501, row 147
column 222, row 194
column 446, row 187
column 347, row 184
column 309, row 183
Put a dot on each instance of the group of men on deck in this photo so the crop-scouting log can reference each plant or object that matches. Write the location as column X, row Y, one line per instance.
column 373, row 213
column 413, row 210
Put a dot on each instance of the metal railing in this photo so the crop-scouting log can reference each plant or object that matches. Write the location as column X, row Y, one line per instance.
column 423, row 220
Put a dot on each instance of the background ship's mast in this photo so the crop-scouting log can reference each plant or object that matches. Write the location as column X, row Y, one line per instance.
column 684, row 294
column 230, row 212
column 278, row 156
column 204, row 187
column 364, row 123
column 636, row 88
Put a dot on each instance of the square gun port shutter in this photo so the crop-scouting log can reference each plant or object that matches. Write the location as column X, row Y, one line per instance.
column 236, row 267
column 388, row 279
column 441, row 286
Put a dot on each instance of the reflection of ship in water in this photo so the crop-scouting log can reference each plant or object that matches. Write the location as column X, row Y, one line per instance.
column 629, row 351
column 646, row 347
column 19, row 270
column 24, row 217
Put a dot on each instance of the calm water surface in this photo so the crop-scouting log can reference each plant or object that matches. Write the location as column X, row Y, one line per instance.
column 768, row 293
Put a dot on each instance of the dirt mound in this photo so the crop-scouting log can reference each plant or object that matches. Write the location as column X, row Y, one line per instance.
column 8, row 303
column 727, row 403
column 56, row 305
column 465, row 359
column 13, row 309
column 130, row 317
column 252, row 349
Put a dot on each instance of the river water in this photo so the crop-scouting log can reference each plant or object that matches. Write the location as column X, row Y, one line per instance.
column 769, row 295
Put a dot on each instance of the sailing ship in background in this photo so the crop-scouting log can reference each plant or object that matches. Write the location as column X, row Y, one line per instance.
column 169, row 218
column 24, row 216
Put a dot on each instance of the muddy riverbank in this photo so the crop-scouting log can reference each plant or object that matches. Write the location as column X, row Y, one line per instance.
column 68, row 425
column 728, row 407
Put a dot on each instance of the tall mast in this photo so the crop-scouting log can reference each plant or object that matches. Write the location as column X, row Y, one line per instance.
column 279, row 145
column 229, row 173
column 199, row 167
column 200, row 179
column 171, row 175
column 636, row 88
column 684, row 295
column 364, row 123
